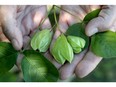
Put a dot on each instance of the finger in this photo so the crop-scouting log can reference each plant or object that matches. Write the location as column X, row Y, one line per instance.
column 88, row 64
column 26, row 46
column 89, row 8
column 63, row 25
column 33, row 15
column 2, row 36
column 9, row 25
column 36, row 19
column 66, row 20
column 94, row 7
column 20, row 10
column 19, row 60
column 26, row 43
column 69, row 20
column 33, row 19
column 75, row 10
column 46, row 24
column 103, row 22
column 67, row 70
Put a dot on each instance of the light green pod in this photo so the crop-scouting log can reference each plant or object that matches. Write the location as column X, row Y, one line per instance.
column 41, row 40
column 77, row 43
column 61, row 50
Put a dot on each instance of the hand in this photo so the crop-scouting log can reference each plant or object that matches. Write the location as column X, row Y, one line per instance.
column 84, row 62
column 105, row 21
column 19, row 22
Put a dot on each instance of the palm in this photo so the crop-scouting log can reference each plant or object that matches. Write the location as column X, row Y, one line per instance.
column 21, row 22
column 86, row 61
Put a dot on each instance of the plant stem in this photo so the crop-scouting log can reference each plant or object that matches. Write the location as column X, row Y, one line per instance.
column 55, row 17
column 45, row 17
column 57, row 25
column 53, row 26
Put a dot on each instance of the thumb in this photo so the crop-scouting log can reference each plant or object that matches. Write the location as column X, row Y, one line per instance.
column 103, row 22
column 9, row 25
column 87, row 64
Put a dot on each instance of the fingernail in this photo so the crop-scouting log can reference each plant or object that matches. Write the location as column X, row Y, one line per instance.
column 16, row 44
column 92, row 31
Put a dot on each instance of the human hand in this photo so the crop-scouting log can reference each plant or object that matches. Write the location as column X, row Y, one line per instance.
column 19, row 22
column 105, row 21
column 84, row 62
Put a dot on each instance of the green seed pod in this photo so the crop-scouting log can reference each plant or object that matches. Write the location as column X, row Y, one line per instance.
column 77, row 43
column 41, row 40
column 61, row 50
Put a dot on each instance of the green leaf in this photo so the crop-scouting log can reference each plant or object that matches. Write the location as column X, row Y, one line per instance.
column 41, row 40
column 61, row 50
column 8, row 77
column 91, row 15
column 8, row 56
column 78, row 30
column 77, row 43
column 52, row 19
column 104, row 44
column 36, row 68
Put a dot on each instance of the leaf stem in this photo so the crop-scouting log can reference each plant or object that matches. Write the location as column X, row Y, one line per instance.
column 45, row 18
column 57, row 25
column 53, row 26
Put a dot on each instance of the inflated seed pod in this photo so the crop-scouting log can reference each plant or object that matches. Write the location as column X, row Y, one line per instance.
column 61, row 50
column 77, row 43
column 41, row 40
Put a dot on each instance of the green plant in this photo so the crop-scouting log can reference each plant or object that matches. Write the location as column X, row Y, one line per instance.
column 62, row 50
column 77, row 43
column 104, row 44
column 36, row 68
column 41, row 40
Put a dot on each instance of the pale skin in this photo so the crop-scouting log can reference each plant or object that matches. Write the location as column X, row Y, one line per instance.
column 18, row 21
column 86, row 61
